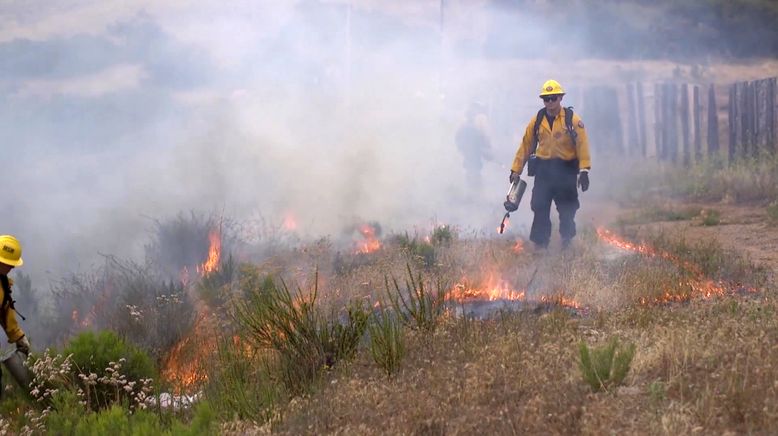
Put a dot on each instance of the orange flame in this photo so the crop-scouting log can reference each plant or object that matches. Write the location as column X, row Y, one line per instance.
column 214, row 253
column 501, row 228
column 495, row 289
column 699, row 286
column 560, row 300
column 370, row 242
column 183, row 366
column 290, row 222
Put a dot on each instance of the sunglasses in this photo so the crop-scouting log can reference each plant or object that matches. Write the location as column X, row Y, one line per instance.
column 550, row 98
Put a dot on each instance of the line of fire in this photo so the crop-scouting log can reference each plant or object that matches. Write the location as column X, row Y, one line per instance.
column 499, row 274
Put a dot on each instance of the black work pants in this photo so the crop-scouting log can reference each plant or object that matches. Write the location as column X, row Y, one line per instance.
column 555, row 180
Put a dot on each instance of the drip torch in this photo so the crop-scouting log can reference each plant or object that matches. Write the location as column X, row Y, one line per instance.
column 512, row 200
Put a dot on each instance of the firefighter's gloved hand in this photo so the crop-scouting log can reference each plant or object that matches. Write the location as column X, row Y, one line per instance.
column 583, row 181
column 514, row 177
column 23, row 345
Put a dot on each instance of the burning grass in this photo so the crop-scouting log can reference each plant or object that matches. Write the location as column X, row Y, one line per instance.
column 495, row 343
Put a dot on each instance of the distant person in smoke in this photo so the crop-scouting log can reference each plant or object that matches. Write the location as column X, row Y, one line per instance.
column 472, row 140
column 10, row 257
column 555, row 148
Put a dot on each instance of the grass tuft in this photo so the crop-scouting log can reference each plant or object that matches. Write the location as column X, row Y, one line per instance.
column 772, row 213
column 606, row 366
column 291, row 325
column 710, row 217
column 386, row 340
column 416, row 305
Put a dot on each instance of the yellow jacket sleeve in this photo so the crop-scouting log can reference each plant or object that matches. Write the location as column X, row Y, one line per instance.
column 8, row 319
column 581, row 144
column 522, row 154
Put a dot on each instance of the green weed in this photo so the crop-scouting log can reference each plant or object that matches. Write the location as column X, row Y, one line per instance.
column 710, row 217
column 102, row 364
column 240, row 382
column 772, row 213
column 386, row 340
column 293, row 326
column 442, row 235
column 417, row 306
column 606, row 366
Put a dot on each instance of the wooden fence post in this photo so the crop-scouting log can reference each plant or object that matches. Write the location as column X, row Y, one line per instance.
column 713, row 122
column 659, row 103
column 733, row 121
column 771, row 140
column 686, row 143
column 632, row 122
column 642, row 119
column 672, row 104
column 696, row 113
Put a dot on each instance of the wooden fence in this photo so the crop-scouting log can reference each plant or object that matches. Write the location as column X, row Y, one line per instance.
column 682, row 123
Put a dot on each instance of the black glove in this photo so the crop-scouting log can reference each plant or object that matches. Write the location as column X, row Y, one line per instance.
column 514, row 176
column 583, row 181
column 23, row 345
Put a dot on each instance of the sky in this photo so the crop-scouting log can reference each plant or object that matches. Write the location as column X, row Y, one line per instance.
column 114, row 114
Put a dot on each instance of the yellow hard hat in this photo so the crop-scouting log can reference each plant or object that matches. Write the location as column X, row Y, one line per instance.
column 551, row 87
column 10, row 251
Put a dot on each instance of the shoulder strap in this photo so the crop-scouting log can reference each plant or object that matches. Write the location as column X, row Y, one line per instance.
column 536, row 130
column 7, row 300
column 569, row 124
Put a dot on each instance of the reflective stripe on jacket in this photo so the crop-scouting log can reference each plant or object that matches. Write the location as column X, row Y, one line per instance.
column 8, row 318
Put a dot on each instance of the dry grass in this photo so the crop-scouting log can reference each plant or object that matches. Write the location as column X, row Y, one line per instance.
column 701, row 366
column 704, row 367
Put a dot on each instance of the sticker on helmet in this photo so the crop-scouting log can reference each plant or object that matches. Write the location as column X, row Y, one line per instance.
column 580, row 124
column 549, row 88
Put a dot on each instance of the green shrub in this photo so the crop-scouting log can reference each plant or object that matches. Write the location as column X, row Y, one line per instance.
column 606, row 366
column 67, row 411
column 711, row 217
column 386, row 340
column 101, row 361
column 416, row 305
column 214, row 287
column 772, row 212
column 442, row 235
column 241, row 384
column 293, row 326
column 420, row 251
column 203, row 423
column 116, row 421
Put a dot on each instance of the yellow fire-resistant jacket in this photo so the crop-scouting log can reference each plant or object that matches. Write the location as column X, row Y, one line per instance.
column 8, row 318
column 555, row 143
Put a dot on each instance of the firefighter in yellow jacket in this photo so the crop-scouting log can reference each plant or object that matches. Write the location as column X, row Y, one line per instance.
column 556, row 150
column 10, row 257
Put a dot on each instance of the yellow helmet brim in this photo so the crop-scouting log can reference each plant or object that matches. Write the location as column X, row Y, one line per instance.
column 13, row 263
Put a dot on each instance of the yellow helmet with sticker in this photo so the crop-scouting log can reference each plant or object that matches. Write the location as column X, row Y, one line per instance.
column 551, row 87
column 10, row 251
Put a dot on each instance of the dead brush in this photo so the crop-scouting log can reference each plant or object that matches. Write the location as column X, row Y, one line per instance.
column 415, row 304
column 606, row 366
